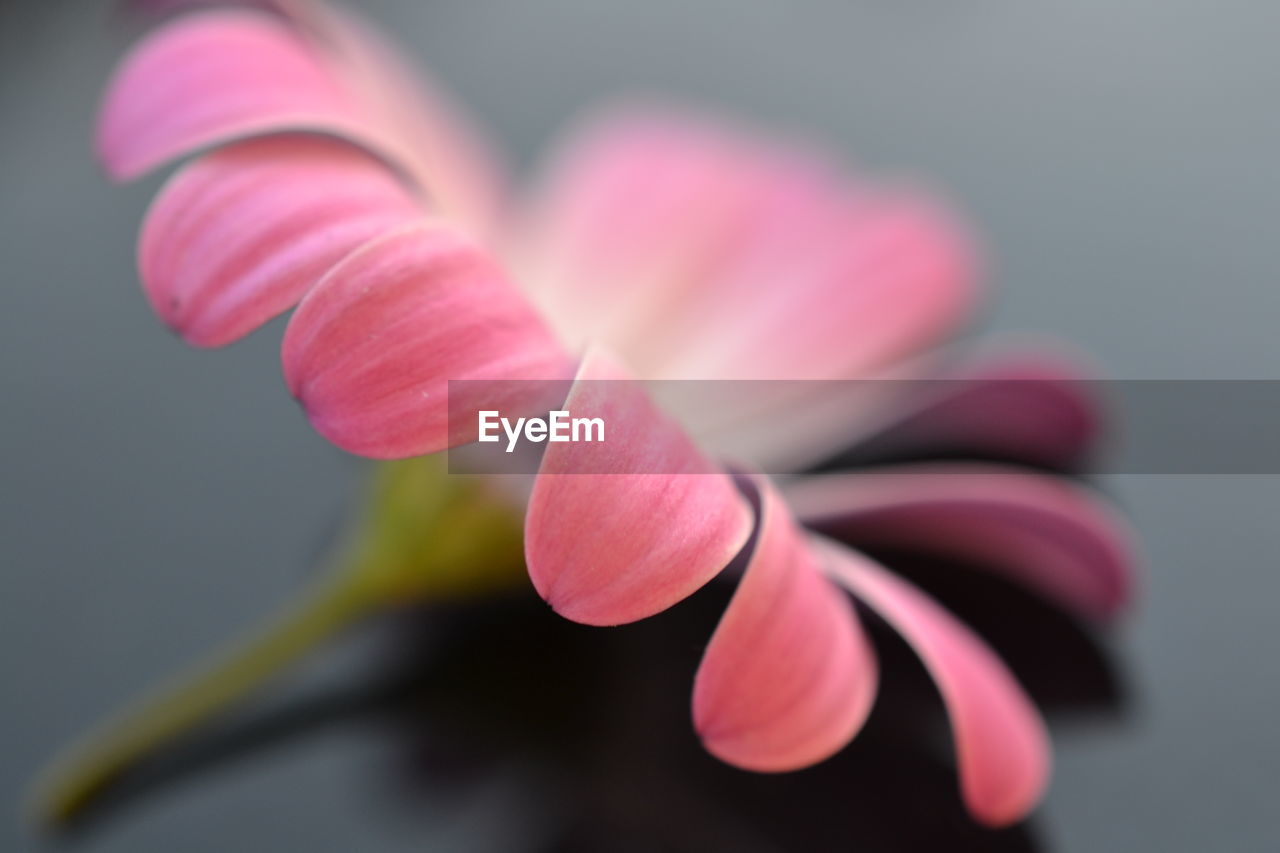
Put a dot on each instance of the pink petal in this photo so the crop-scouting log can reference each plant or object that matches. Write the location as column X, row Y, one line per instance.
column 1001, row 746
column 214, row 76
column 689, row 248
column 822, row 418
column 239, row 235
column 1043, row 531
column 1032, row 406
column 788, row 677
column 633, row 209
column 609, row 548
column 371, row 349
column 839, row 294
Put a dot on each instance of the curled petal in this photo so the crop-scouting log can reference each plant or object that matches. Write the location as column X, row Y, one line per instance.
column 298, row 65
column 1001, row 746
column 651, row 521
column 214, row 76
column 788, row 677
column 1042, row 531
column 371, row 349
column 239, row 235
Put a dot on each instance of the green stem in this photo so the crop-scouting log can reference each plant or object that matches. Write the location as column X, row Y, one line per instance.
column 336, row 603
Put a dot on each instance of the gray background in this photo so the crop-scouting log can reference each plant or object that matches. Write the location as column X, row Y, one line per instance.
column 1119, row 155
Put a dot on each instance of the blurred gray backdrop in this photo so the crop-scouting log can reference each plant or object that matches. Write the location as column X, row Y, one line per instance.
column 1120, row 156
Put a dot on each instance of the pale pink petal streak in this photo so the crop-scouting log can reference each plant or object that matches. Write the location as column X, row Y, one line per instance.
column 689, row 246
column 371, row 349
column 1001, row 745
column 431, row 136
column 788, row 677
column 849, row 284
column 621, row 529
column 238, row 236
column 1030, row 404
column 1047, row 533
column 633, row 211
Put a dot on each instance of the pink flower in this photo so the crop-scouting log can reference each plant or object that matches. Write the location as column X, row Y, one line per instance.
column 682, row 248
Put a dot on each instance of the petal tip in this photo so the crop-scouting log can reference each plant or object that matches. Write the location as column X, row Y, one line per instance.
column 1016, row 798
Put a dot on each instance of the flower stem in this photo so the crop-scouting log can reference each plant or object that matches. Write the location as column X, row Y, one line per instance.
column 337, row 602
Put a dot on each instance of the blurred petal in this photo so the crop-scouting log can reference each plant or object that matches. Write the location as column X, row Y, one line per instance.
column 431, row 135
column 818, row 419
column 691, row 249
column 371, row 348
column 214, row 76
column 609, row 548
column 1001, row 746
column 829, row 295
column 788, row 677
column 1042, row 531
column 1033, row 407
column 634, row 209
column 239, row 235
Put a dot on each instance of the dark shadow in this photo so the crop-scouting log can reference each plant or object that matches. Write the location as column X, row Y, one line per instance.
column 597, row 723
column 1063, row 664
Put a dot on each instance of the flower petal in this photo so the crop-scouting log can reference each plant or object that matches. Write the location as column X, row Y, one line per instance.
column 687, row 247
column 822, row 418
column 1041, row 530
column 850, row 291
column 788, row 677
column 614, row 547
column 633, row 209
column 1001, row 746
column 371, row 349
column 211, row 77
column 1030, row 406
column 297, row 65
column 238, row 236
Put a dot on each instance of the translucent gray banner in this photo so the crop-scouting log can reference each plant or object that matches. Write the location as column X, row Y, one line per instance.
column 1162, row 426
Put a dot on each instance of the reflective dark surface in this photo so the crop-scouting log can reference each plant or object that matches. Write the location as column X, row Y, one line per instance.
column 588, row 732
column 1119, row 157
